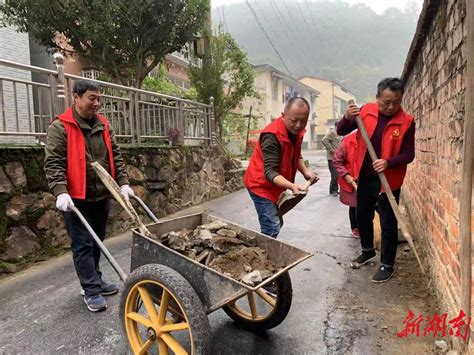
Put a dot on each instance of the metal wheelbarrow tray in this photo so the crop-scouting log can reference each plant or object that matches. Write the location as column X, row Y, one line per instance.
column 213, row 288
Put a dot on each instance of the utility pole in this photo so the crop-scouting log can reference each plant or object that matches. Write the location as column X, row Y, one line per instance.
column 207, row 62
column 207, row 35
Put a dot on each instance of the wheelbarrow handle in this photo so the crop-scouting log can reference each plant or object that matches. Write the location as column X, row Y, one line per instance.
column 145, row 208
column 101, row 245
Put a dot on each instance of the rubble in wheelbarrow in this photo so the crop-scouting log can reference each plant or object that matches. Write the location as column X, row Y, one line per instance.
column 225, row 249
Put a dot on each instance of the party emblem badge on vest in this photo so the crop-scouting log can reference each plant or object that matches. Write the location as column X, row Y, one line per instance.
column 396, row 134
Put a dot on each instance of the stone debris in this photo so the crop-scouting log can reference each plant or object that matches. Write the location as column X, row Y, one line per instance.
column 225, row 249
column 252, row 278
column 441, row 345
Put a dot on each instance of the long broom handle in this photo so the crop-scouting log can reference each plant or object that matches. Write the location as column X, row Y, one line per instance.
column 388, row 190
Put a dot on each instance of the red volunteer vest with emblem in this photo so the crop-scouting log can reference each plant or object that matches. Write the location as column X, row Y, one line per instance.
column 350, row 144
column 254, row 178
column 76, row 154
column 392, row 139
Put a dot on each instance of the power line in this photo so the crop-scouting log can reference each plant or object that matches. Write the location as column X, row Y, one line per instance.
column 294, row 22
column 311, row 17
column 302, row 15
column 281, row 19
column 268, row 37
column 297, row 29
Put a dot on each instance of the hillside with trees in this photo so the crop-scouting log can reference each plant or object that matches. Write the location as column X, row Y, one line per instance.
column 352, row 45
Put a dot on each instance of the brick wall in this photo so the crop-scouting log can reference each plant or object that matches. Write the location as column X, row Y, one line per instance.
column 435, row 96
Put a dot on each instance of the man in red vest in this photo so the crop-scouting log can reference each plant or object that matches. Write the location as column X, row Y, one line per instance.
column 75, row 139
column 274, row 162
column 392, row 133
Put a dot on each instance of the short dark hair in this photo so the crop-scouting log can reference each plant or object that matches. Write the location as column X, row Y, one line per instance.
column 81, row 86
column 393, row 84
column 298, row 100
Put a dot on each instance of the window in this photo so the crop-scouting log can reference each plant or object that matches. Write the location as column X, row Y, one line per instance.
column 274, row 88
column 288, row 93
column 90, row 73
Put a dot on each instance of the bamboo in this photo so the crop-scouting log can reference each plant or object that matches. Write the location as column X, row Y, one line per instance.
column 388, row 190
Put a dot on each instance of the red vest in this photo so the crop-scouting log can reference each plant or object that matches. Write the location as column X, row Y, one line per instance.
column 391, row 141
column 255, row 179
column 350, row 145
column 76, row 154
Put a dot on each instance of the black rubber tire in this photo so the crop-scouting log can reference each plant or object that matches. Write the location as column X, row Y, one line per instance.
column 282, row 307
column 182, row 291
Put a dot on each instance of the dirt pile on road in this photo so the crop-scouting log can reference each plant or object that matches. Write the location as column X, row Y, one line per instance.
column 223, row 248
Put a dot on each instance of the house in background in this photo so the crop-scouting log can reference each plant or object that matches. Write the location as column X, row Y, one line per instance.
column 15, row 90
column 175, row 64
column 275, row 88
column 332, row 103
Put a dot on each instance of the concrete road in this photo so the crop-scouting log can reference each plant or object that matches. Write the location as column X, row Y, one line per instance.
column 335, row 309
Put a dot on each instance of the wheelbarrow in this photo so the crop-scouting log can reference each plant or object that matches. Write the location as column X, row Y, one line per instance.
column 167, row 296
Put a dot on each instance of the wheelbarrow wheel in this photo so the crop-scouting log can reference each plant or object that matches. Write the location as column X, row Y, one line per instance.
column 159, row 309
column 262, row 310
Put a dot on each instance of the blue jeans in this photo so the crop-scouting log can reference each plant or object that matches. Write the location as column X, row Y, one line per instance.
column 270, row 223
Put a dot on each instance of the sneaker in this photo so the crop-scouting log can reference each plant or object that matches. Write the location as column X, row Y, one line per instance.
column 355, row 233
column 364, row 258
column 334, row 194
column 95, row 303
column 107, row 289
column 384, row 274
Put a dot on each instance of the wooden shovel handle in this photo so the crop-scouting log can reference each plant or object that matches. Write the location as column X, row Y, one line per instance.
column 386, row 187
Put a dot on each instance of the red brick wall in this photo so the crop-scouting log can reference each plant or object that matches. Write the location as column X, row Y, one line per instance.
column 435, row 96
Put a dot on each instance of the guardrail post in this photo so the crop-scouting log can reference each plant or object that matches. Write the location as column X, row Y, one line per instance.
column 212, row 122
column 58, row 87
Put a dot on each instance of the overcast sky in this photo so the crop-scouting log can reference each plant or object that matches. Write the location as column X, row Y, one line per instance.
column 379, row 6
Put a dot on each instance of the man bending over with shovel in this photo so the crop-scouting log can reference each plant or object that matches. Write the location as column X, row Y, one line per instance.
column 274, row 163
column 392, row 135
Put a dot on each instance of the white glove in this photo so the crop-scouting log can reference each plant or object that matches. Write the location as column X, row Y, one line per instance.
column 62, row 202
column 127, row 192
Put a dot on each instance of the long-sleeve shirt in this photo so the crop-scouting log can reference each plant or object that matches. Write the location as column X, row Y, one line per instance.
column 407, row 149
column 331, row 142
column 271, row 150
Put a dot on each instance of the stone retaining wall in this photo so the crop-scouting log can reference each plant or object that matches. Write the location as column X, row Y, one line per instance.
column 167, row 179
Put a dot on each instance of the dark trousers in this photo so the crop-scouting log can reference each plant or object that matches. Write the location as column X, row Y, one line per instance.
column 368, row 195
column 353, row 217
column 85, row 252
column 333, row 184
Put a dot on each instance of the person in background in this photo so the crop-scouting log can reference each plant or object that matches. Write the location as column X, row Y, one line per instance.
column 343, row 163
column 275, row 161
column 75, row 139
column 331, row 142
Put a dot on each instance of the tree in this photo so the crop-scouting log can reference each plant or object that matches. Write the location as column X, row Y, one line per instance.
column 229, row 79
column 124, row 39
column 161, row 84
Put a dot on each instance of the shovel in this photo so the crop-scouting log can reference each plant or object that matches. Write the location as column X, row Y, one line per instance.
column 388, row 190
column 288, row 200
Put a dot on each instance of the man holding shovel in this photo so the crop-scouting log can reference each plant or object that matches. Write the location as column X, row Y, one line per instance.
column 392, row 134
column 75, row 139
column 274, row 163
